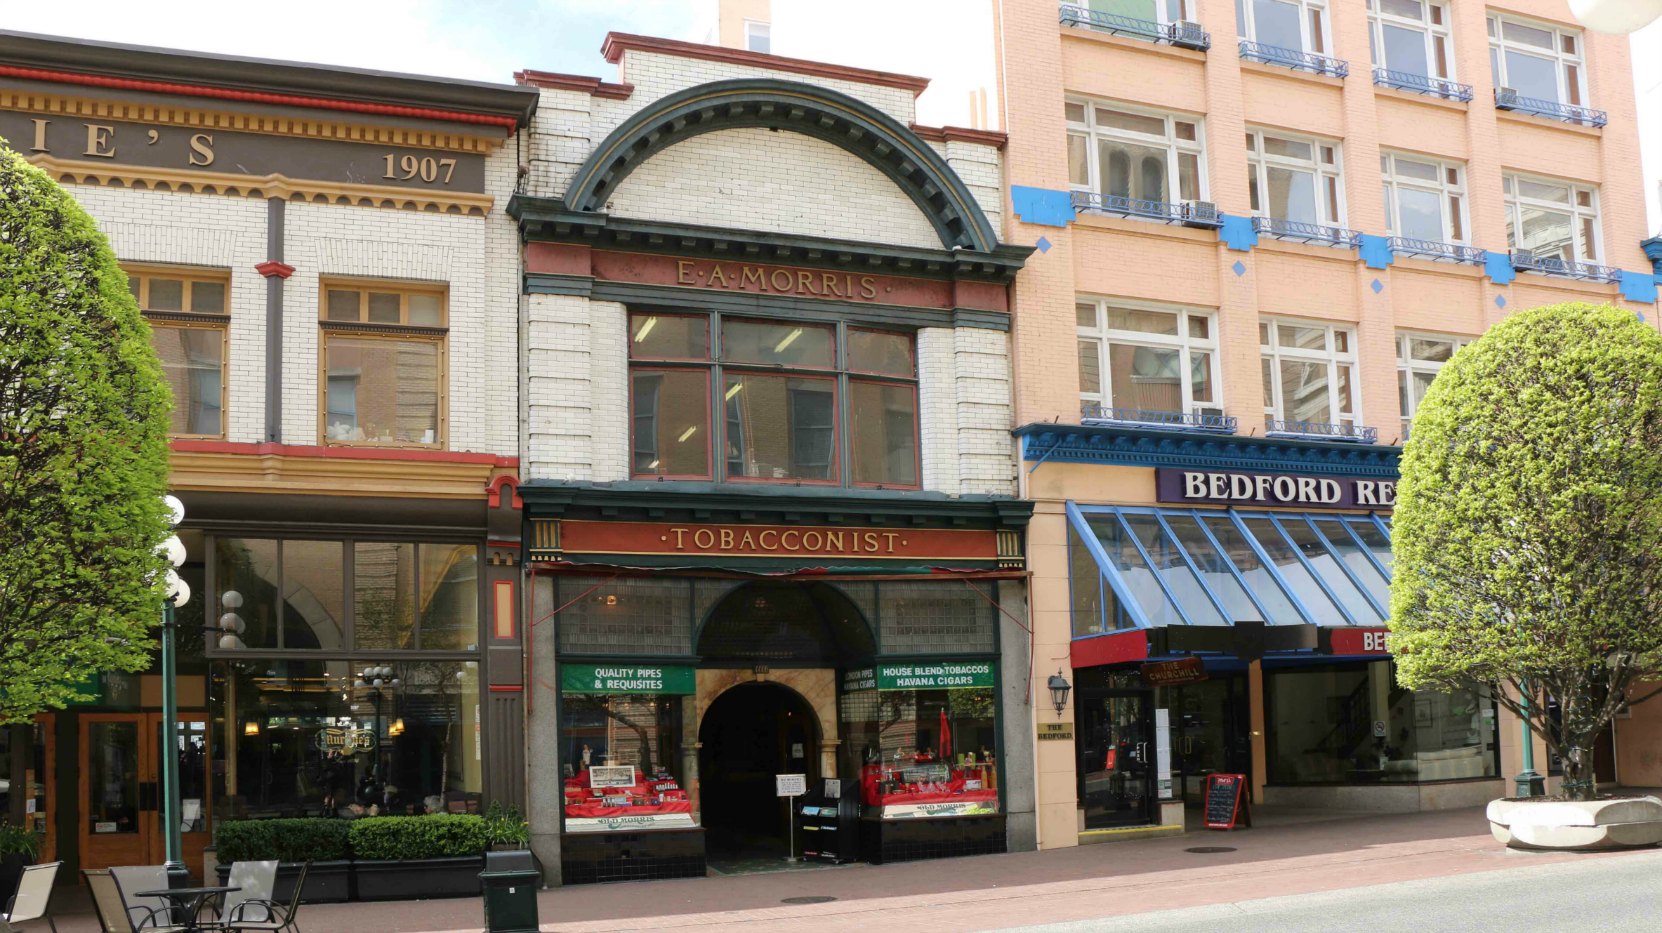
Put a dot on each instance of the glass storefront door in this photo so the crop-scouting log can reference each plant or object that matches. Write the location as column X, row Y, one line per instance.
column 121, row 790
column 1116, row 752
column 1210, row 723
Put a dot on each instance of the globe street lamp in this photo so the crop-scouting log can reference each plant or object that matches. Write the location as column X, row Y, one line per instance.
column 177, row 594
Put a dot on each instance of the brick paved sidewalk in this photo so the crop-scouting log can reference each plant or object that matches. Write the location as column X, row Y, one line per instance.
column 1285, row 855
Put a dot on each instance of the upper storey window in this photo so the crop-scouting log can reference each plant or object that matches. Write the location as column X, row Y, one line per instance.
column 187, row 311
column 1424, row 199
column 1309, row 372
column 1146, row 359
column 790, row 402
column 758, row 36
column 1295, row 25
column 1536, row 60
column 1410, row 39
column 1551, row 218
column 383, row 364
column 1294, row 178
column 1134, row 158
column 1151, row 11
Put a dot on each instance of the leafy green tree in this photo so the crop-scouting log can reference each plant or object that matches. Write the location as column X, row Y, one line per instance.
column 83, row 452
column 1528, row 526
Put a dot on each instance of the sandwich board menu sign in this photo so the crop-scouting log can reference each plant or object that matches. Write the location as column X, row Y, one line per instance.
column 1225, row 804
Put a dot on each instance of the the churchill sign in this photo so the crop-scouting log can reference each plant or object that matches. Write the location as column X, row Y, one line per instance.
column 1228, row 487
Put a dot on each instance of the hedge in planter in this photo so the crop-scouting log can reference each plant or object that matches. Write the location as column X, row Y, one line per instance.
column 418, row 856
column 323, row 842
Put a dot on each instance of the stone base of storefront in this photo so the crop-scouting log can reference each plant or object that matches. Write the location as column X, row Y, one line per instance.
column 591, row 858
column 1387, row 798
column 884, row 841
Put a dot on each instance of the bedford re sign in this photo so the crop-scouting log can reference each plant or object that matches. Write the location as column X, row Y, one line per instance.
column 788, row 541
column 1228, row 487
column 1359, row 640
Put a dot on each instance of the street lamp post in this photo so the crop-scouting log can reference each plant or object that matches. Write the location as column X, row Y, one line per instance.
column 1529, row 781
column 178, row 593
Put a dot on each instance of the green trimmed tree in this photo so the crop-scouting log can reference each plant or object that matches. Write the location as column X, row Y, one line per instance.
column 83, row 453
column 1528, row 527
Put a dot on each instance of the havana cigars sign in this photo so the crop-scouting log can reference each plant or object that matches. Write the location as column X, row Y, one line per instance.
column 1230, row 487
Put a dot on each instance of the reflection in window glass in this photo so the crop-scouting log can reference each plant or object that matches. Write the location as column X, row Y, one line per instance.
column 1086, row 587
column 884, row 433
column 1139, row 578
column 640, row 733
column 381, row 390
column 871, row 351
column 1357, row 558
column 1327, row 569
column 449, row 596
column 669, row 336
column 1214, row 568
column 193, row 362
column 1185, row 586
column 670, row 410
column 779, row 344
column 914, row 748
column 780, row 427
column 384, row 575
column 1291, row 569
column 1257, row 575
column 313, row 594
column 248, row 567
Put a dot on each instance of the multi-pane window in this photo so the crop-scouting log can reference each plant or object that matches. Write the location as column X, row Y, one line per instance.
column 1300, row 25
column 1425, row 199
column 1147, row 358
column 188, row 315
column 1153, row 11
column 383, row 364
column 1419, row 357
column 1128, row 153
column 1536, row 60
column 758, row 36
column 736, row 398
column 1294, row 178
column 1411, row 37
column 1552, row 218
column 1309, row 371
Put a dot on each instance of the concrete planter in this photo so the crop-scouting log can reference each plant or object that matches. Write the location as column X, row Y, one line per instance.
column 1584, row 825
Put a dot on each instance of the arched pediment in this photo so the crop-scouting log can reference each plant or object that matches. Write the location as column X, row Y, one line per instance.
column 853, row 125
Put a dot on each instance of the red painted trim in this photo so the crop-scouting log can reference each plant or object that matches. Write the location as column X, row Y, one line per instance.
column 259, row 97
column 504, row 544
column 1108, row 649
column 565, row 82
column 182, row 445
column 272, row 267
column 619, row 42
column 962, row 134
column 506, row 688
column 495, row 489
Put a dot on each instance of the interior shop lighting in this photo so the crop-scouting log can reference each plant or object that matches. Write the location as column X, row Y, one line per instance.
column 646, row 328
column 689, row 432
column 734, row 389
column 790, row 338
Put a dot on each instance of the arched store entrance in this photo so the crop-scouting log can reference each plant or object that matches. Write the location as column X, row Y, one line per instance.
column 751, row 733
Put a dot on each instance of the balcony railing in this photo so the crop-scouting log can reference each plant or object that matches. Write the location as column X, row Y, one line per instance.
column 1321, row 430
column 1301, row 232
column 1210, row 422
column 1420, row 84
column 1294, row 59
column 1183, row 34
column 1508, row 99
column 1187, row 213
column 1436, row 250
column 1528, row 261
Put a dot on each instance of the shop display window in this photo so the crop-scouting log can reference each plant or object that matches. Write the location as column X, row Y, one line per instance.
column 620, row 759
column 1351, row 724
column 926, row 751
column 347, row 738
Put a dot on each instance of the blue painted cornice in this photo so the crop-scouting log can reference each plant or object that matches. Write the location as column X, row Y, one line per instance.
column 1121, row 446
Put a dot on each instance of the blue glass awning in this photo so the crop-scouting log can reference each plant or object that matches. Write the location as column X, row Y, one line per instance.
column 1153, row 567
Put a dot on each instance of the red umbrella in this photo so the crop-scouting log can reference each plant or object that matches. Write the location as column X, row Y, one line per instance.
column 946, row 738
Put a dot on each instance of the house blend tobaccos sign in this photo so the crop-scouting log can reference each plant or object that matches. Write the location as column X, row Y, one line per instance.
column 935, row 675
column 1225, row 487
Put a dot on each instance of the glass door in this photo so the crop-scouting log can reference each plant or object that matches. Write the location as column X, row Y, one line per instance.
column 121, row 791
column 1116, row 767
column 1210, row 733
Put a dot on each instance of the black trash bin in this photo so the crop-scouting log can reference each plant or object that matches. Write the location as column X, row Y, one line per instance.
column 510, row 881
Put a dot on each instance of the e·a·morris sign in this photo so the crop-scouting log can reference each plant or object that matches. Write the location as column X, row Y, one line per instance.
column 1228, row 487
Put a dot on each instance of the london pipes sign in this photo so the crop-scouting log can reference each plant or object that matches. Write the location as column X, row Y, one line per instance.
column 1229, row 487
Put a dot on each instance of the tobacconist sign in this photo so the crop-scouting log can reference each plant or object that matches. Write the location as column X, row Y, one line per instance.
column 1229, row 487
column 776, row 541
column 935, row 675
column 627, row 678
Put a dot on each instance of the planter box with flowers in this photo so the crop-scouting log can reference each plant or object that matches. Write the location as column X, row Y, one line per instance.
column 401, row 857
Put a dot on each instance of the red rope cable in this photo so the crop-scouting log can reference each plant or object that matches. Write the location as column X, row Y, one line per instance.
column 261, row 97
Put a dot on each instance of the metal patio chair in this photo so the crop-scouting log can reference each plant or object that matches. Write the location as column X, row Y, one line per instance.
column 33, row 899
column 268, row 916
column 144, row 914
column 256, row 880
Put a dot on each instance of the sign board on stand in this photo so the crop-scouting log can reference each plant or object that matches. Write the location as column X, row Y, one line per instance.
column 1226, row 805
column 790, row 786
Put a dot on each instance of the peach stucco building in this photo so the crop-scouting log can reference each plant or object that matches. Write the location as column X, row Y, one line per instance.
column 1261, row 226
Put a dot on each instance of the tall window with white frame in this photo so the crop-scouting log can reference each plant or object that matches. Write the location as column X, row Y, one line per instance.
column 383, row 349
column 1136, row 359
column 1419, row 358
column 1425, row 199
column 189, row 325
column 1537, row 60
column 1298, row 25
column 1133, row 156
column 1309, row 372
column 1294, row 178
column 1410, row 39
column 1149, row 11
column 1552, row 218
column 758, row 36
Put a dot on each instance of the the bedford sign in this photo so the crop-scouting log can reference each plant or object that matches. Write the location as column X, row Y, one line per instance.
column 1228, row 487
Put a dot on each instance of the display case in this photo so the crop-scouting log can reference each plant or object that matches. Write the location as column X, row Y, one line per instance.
column 620, row 735
column 605, row 797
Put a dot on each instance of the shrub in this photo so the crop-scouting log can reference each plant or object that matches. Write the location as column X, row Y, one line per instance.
column 18, row 840
column 506, row 827
column 293, row 840
column 441, row 835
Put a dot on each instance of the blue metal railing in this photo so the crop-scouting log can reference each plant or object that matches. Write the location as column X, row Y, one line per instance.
column 1294, row 59
column 1188, row 213
column 1421, row 84
column 1168, row 420
column 1528, row 261
column 1320, row 429
column 1435, row 249
column 1284, row 229
column 1508, row 99
column 1185, row 34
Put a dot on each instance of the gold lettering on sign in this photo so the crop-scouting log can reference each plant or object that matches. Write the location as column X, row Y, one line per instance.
column 750, row 274
column 786, row 541
column 99, row 141
column 684, row 272
column 718, row 277
column 40, row 136
column 201, row 149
